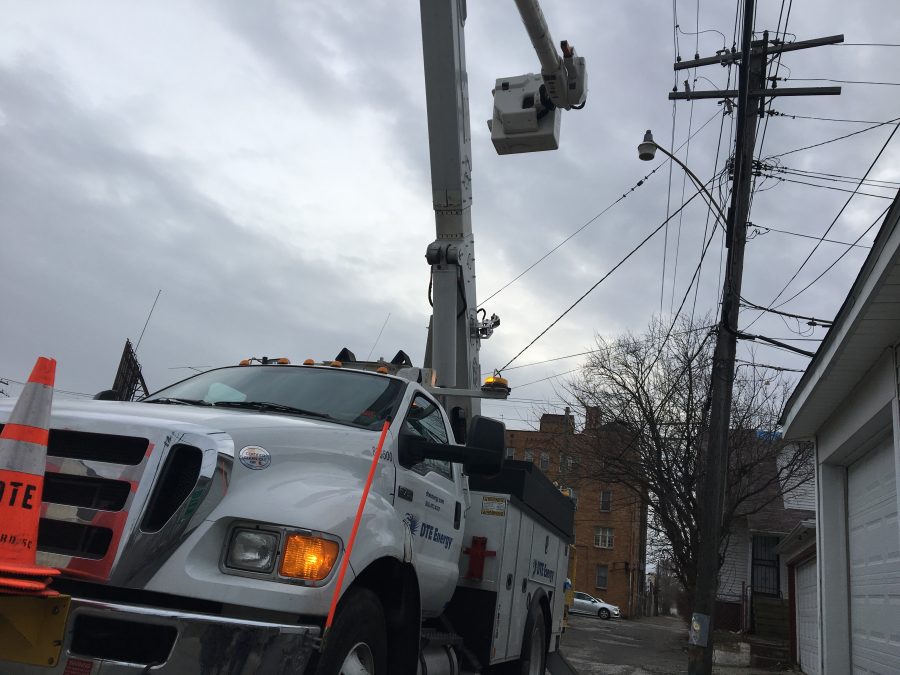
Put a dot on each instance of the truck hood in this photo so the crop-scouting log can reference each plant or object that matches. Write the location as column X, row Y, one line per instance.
column 212, row 419
column 126, row 482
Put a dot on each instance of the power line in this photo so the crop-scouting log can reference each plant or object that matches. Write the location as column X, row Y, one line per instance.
column 828, row 79
column 551, row 377
column 55, row 389
column 602, row 279
column 782, row 179
column 867, row 44
column 839, row 258
column 833, row 140
column 805, row 236
column 840, row 212
column 777, row 343
column 586, row 353
column 770, row 367
column 594, row 218
column 834, row 177
column 820, row 322
column 824, row 119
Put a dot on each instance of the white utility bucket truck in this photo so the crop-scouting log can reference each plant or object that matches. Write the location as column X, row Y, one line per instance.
column 201, row 530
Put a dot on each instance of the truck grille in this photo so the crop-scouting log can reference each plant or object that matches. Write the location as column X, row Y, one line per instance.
column 74, row 539
column 86, row 491
column 142, row 485
column 97, row 447
column 88, row 486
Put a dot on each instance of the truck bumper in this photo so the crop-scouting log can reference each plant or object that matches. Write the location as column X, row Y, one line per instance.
column 104, row 638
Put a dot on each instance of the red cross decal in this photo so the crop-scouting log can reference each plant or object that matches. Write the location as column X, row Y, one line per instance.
column 477, row 553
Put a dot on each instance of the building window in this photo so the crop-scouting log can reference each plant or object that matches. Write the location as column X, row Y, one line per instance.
column 510, row 453
column 603, row 537
column 605, row 500
column 545, row 460
column 602, row 575
column 529, row 455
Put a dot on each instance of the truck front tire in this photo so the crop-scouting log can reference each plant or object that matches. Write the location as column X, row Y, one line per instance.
column 356, row 642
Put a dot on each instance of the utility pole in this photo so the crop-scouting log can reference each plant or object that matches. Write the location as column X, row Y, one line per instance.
column 751, row 94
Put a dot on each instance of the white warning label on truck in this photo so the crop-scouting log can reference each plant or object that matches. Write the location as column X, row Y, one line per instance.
column 493, row 506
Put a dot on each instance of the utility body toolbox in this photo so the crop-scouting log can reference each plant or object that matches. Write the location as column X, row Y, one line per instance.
column 515, row 556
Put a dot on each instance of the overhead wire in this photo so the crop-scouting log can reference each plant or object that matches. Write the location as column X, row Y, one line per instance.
column 829, row 79
column 833, row 222
column 834, row 140
column 591, row 220
column 825, row 119
column 836, row 177
column 839, row 258
column 798, row 234
column 600, row 281
column 821, row 322
column 782, row 179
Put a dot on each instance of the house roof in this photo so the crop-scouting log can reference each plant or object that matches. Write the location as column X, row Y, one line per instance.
column 867, row 323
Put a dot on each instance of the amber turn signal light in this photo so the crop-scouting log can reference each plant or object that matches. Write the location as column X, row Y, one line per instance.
column 309, row 558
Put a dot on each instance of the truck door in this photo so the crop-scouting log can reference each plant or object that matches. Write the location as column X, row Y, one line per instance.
column 431, row 507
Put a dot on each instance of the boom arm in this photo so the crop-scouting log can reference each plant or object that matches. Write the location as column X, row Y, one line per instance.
column 453, row 342
column 454, row 333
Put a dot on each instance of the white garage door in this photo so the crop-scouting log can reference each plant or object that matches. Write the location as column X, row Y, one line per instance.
column 807, row 617
column 874, row 562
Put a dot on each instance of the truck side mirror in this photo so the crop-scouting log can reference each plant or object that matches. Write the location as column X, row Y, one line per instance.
column 107, row 395
column 482, row 454
column 486, row 441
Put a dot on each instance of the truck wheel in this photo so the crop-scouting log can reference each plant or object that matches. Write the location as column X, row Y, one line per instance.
column 603, row 613
column 533, row 659
column 356, row 644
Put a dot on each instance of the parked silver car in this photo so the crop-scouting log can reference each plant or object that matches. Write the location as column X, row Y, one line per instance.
column 588, row 604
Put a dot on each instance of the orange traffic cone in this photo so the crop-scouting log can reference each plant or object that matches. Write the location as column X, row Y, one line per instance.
column 23, row 458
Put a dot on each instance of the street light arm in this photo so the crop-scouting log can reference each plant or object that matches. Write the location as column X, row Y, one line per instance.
column 697, row 182
column 647, row 151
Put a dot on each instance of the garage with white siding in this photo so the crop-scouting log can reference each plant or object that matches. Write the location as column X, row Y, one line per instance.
column 846, row 404
column 874, row 548
column 807, row 613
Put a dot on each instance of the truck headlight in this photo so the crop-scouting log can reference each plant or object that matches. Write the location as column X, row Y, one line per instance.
column 307, row 557
column 252, row 550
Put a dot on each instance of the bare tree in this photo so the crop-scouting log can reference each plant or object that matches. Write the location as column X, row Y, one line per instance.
column 647, row 403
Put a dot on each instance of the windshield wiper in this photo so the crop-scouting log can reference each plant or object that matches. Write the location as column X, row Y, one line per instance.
column 266, row 406
column 179, row 401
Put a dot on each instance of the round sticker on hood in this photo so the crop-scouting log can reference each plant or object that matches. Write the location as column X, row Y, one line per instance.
column 255, row 457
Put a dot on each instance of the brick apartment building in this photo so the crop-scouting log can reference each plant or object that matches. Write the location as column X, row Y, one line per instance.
column 610, row 521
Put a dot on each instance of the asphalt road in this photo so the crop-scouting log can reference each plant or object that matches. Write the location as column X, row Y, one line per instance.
column 652, row 645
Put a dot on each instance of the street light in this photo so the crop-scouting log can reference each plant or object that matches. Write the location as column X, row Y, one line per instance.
column 647, row 151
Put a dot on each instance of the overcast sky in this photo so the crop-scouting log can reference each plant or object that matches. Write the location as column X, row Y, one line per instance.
column 265, row 164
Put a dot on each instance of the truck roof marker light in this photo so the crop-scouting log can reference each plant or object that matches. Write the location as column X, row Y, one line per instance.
column 309, row 362
column 244, row 362
column 336, row 364
column 307, row 557
column 382, row 369
column 283, row 361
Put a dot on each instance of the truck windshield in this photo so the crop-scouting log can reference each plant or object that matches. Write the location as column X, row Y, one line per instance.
column 344, row 396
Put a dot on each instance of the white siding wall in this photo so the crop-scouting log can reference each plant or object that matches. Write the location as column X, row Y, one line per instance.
column 735, row 569
column 797, row 496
